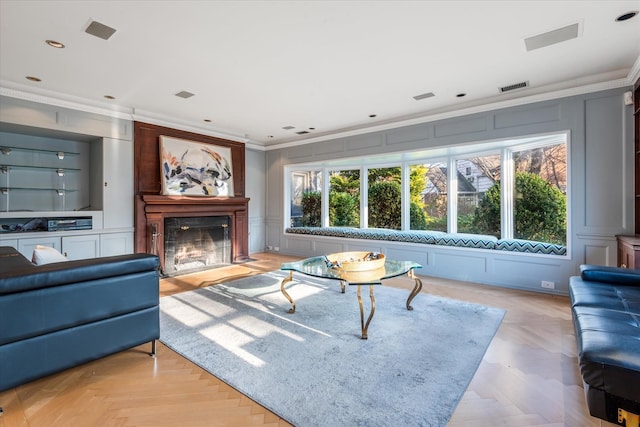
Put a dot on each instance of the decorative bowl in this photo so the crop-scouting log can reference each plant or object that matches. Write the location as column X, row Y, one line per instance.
column 356, row 261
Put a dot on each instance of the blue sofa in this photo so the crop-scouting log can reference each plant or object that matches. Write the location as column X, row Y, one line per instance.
column 605, row 305
column 59, row 315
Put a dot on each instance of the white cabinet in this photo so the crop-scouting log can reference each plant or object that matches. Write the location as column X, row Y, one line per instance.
column 81, row 247
column 112, row 181
column 72, row 247
column 116, row 244
column 26, row 246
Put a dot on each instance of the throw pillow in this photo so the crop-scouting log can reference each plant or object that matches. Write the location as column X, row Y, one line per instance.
column 45, row 255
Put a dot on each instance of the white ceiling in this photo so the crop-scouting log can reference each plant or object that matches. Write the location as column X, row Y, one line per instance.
column 258, row 66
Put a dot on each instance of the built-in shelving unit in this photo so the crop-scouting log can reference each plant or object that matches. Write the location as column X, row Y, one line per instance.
column 41, row 177
column 60, row 166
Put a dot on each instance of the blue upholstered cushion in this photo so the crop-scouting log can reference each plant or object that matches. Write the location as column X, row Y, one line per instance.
column 531, row 246
column 476, row 241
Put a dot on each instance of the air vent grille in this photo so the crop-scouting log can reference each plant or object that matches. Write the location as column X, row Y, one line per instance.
column 423, row 96
column 288, row 127
column 184, row 94
column 100, row 30
column 515, row 86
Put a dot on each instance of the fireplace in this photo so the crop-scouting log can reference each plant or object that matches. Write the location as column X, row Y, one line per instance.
column 193, row 233
column 196, row 243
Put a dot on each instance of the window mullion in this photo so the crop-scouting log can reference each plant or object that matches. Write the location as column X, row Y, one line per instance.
column 507, row 189
column 452, row 199
column 325, row 197
column 405, row 198
column 364, row 197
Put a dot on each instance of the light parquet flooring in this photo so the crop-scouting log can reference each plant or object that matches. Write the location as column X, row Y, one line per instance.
column 528, row 377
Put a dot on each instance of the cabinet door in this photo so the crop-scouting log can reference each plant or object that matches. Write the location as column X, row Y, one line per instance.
column 26, row 246
column 116, row 244
column 81, row 247
column 117, row 186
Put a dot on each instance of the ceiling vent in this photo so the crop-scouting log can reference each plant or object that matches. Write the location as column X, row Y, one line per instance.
column 516, row 86
column 302, row 132
column 99, row 30
column 552, row 37
column 423, row 96
column 288, row 127
column 184, row 94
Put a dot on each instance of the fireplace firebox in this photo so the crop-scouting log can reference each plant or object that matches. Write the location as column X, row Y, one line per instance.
column 196, row 243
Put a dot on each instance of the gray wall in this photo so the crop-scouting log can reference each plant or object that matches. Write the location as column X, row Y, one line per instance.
column 255, row 189
column 600, row 196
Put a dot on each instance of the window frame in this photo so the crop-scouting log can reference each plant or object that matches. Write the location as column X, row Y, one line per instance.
column 448, row 155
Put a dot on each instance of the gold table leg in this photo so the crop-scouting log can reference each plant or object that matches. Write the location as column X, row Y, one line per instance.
column 416, row 289
column 285, row 281
column 365, row 326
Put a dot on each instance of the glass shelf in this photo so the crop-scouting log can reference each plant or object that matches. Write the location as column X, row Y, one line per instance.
column 59, row 171
column 7, row 149
column 60, row 191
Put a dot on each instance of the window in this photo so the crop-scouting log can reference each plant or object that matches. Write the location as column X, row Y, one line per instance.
column 509, row 189
column 429, row 191
column 482, row 174
column 344, row 198
column 540, row 202
column 385, row 198
column 306, row 197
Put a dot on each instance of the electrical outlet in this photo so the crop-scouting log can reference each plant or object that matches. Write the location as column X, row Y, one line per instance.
column 276, row 248
column 548, row 285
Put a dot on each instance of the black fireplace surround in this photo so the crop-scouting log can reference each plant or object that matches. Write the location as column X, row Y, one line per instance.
column 196, row 243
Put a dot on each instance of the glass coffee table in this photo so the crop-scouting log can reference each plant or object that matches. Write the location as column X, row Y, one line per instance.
column 318, row 267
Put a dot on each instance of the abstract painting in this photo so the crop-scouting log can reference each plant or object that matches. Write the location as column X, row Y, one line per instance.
column 191, row 168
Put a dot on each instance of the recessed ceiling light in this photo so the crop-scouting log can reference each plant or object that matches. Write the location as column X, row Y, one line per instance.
column 33, row 79
column 207, row 120
column 372, row 115
column 312, row 128
column 288, row 127
column 110, row 97
column 269, row 136
column 55, row 44
column 626, row 16
column 460, row 95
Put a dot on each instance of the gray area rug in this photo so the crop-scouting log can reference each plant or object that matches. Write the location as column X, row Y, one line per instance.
column 313, row 369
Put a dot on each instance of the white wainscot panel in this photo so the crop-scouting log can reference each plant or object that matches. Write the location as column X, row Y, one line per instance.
column 329, row 247
column 458, row 266
column 299, row 247
column 599, row 254
column 421, row 257
column 529, row 275
column 363, row 246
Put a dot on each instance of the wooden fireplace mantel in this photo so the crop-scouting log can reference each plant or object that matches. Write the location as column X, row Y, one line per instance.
column 157, row 208
column 151, row 207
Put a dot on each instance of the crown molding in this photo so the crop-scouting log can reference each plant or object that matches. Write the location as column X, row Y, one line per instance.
column 634, row 73
column 481, row 108
column 161, row 120
column 40, row 96
column 26, row 93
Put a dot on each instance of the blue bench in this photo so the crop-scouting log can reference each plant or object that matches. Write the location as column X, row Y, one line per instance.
column 428, row 237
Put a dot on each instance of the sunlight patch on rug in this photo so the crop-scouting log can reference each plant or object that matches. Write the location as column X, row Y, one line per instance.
column 311, row 367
